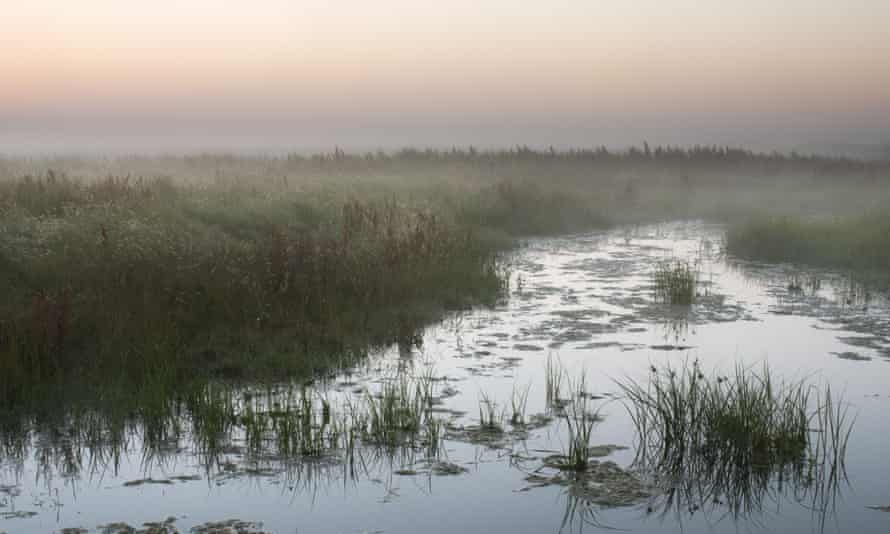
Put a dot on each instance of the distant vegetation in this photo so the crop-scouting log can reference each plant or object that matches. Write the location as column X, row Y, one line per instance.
column 856, row 241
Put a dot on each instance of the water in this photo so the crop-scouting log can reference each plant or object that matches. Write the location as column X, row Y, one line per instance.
column 586, row 300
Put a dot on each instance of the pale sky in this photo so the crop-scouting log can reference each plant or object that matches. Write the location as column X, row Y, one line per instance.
column 162, row 74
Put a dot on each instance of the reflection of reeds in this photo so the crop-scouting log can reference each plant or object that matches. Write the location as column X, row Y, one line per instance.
column 737, row 439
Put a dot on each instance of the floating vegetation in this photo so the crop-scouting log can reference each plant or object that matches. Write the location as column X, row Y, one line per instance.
column 733, row 439
column 675, row 282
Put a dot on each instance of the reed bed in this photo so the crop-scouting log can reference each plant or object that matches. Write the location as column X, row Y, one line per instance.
column 859, row 242
column 147, row 283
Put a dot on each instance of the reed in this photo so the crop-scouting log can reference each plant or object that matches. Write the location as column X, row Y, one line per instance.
column 732, row 438
column 857, row 242
column 675, row 283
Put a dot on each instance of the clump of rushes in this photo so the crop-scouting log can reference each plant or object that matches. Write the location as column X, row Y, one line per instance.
column 518, row 404
column 675, row 282
column 554, row 374
column 489, row 416
column 728, row 438
column 401, row 410
column 580, row 421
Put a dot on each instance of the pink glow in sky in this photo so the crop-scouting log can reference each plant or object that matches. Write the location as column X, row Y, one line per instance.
column 490, row 72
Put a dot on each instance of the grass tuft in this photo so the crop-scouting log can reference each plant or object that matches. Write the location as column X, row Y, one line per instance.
column 675, row 283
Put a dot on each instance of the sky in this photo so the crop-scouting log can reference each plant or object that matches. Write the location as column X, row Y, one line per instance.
column 181, row 75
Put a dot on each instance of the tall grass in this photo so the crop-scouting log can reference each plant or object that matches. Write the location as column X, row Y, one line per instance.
column 580, row 421
column 146, row 282
column 732, row 438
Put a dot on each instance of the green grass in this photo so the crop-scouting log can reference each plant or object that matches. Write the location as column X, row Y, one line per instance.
column 733, row 438
column 580, row 421
column 490, row 418
column 519, row 404
column 675, row 283
column 147, row 283
column 856, row 242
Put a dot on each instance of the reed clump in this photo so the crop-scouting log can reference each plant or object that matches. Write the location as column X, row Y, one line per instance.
column 733, row 438
column 676, row 282
column 580, row 420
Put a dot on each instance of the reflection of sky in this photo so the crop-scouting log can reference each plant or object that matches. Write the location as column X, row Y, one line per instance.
column 486, row 499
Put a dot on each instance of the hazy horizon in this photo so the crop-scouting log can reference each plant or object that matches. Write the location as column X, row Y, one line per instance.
column 108, row 77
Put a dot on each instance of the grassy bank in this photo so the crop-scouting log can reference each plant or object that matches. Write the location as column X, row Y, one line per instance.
column 146, row 284
column 857, row 242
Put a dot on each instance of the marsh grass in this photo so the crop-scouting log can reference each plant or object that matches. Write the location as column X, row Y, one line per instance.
column 734, row 439
column 554, row 376
column 580, row 421
column 147, row 284
column 491, row 419
column 675, row 282
column 860, row 242
column 519, row 404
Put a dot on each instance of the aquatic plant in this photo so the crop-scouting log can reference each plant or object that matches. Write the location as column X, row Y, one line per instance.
column 554, row 375
column 518, row 404
column 402, row 408
column 490, row 419
column 857, row 242
column 730, row 438
column 580, row 421
column 675, row 282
